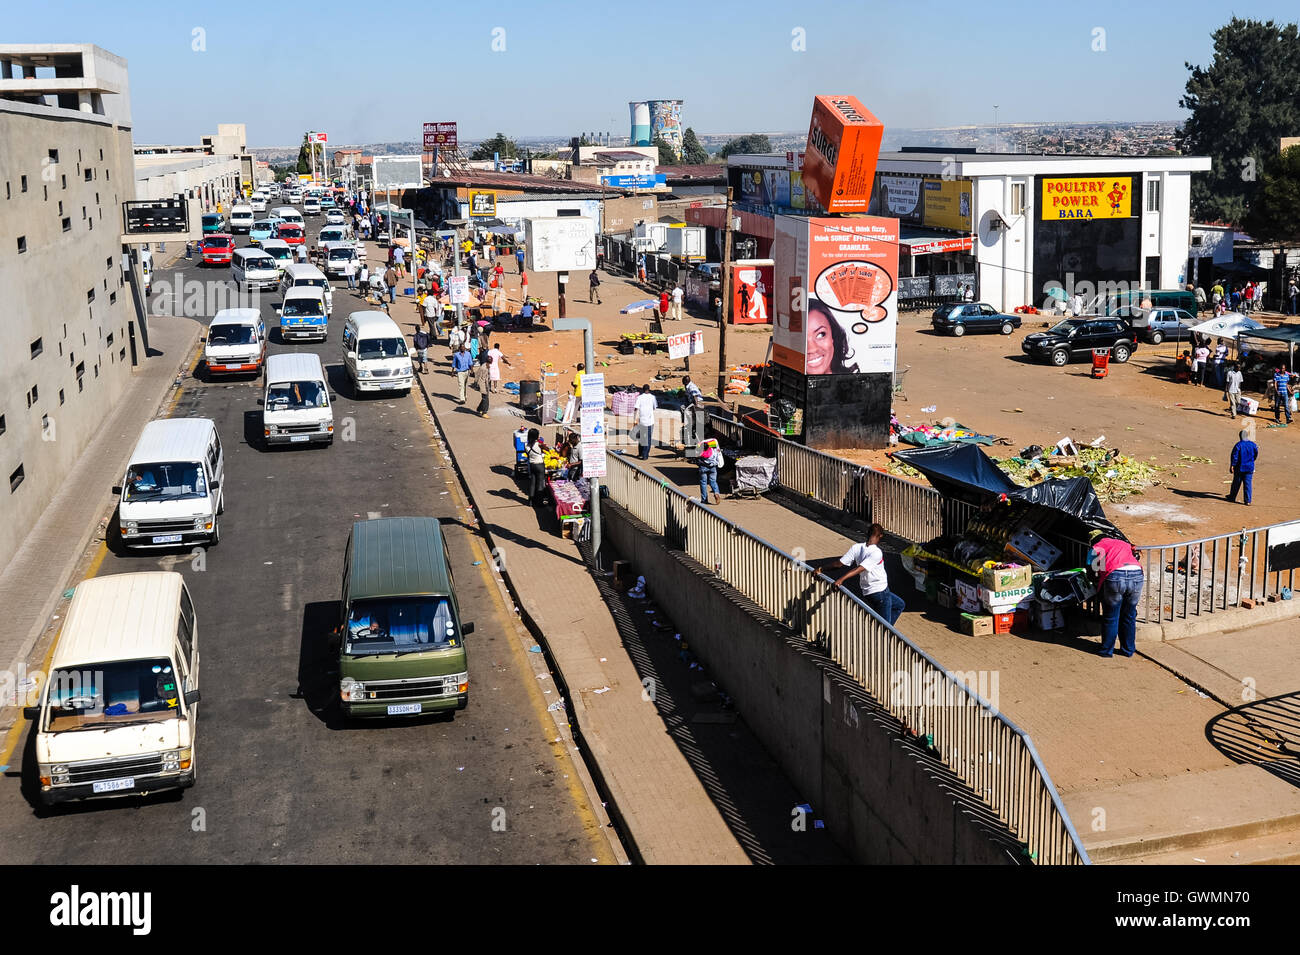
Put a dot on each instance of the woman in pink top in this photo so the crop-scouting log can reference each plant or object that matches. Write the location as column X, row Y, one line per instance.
column 495, row 358
column 1118, row 567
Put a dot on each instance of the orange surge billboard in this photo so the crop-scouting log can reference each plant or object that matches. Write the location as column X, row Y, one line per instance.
column 839, row 163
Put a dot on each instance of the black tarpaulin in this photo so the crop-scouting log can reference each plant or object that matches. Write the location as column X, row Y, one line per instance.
column 965, row 473
column 959, row 471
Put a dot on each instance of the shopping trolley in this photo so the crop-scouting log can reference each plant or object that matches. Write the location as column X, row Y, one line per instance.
column 899, row 375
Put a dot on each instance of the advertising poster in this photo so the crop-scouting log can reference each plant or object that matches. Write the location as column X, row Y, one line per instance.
column 899, row 196
column 483, row 204
column 458, row 289
column 592, row 418
column 839, row 166
column 1088, row 198
column 752, row 281
column 798, row 198
column 836, row 296
column 439, row 135
column 776, row 183
column 947, row 204
column 682, row 346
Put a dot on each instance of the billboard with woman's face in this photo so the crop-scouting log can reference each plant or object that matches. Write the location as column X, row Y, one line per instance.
column 836, row 295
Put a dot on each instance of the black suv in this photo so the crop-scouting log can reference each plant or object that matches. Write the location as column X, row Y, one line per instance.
column 1077, row 337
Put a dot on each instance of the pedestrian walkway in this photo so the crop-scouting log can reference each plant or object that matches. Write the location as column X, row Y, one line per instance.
column 1101, row 726
column 664, row 807
column 32, row 585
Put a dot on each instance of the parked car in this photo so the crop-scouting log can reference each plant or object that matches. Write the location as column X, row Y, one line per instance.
column 957, row 318
column 1172, row 324
column 1076, row 338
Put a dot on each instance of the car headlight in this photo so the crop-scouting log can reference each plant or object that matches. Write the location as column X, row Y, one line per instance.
column 132, row 527
column 351, row 690
column 59, row 769
column 171, row 762
column 60, row 778
column 406, row 370
column 362, row 373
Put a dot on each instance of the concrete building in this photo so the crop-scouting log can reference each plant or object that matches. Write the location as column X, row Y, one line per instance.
column 70, row 335
column 1013, row 225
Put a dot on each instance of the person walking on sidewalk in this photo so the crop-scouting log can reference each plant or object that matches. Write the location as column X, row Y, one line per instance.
column 677, row 302
column 432, row 314
column 391, row 278
column 593, row 282
column 868, row 560
column 421, row 342
column 519, row 258
column 523, row 284
column 663, row 304
column 535, row 448
column 483, row 380
column 1242, row 465
column 645, row 420
column 1232, row 388
column 461, row 363
column 708, row 458
column 496, row 357
column 350, row 273
column 1118, row 568
column 1281, row 388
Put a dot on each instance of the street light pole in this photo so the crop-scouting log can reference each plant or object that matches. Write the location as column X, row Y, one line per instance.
column 725, row 292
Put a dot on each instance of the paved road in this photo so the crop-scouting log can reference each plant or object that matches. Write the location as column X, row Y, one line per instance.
column 280, row 778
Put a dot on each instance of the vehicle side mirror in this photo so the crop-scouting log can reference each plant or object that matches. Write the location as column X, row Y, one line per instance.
column 260, row 402
column 466, row 629
column 352, row 355
column 279, row 310
column 31, row 712
column 333, row 397
column 117, row 489
column 203, row 338
column 192, row 697
column 216, row 485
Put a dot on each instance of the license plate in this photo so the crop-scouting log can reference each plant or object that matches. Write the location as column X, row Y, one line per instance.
column 402, row 709
column 234, row 367
column 390, row 384
column 168, row 539
column 113, row 785
column 299, row 438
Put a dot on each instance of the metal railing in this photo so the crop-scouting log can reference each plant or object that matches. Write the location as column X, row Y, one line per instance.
column 1183, row 580
column 1203, row 576
column 995, row 758
column 904, row 508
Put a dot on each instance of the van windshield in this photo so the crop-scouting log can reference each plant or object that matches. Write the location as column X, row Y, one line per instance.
column 336, row 254
column 400, row 625
column 381, row 348
column 230, row 335
column 296, row 395
column 216, row 242
column 113, row 694
column 170, row 480
column 279, row 252
column 298, row 307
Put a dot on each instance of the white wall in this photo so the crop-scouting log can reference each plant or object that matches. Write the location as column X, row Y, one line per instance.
column 1004, row 260
column 517, row 210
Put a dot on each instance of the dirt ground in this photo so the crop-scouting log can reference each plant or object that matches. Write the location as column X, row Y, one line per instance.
column 983, row 382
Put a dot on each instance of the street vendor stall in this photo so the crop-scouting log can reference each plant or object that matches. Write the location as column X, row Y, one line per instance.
column 1020, row 560
column 572, row 502
column 1284, row 338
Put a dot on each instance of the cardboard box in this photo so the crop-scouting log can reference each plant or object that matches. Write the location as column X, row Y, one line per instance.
column 1007, row 577
column 839, row 163
column 947, row 595
column 968, row 595
column 999, row 600
column 1248, row 406
column 1002, row 622
column 976, row 624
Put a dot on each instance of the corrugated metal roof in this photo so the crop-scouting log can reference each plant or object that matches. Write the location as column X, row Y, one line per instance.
column 398, row 557
column 122, row 616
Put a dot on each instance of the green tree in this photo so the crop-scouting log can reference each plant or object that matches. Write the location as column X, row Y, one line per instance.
column 693, row 151
column 1272, row 216
column 304, row 156
column 1241, row 105
column 499, row 144
column 742, row 145
column 667, row 156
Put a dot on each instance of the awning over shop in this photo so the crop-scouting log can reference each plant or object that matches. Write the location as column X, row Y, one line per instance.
column 1285, row 335
column 934, row 244
column 966, row 473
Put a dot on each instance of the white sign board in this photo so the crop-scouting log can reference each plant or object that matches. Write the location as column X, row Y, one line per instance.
column 560, row 244
column 398, row 172
column 458, row 289
column 593, row 425
column 687, row 343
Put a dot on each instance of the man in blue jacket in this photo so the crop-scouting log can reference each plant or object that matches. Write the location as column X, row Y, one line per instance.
column 1244, row 454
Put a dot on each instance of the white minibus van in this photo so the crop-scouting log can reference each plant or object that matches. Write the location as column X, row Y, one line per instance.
column 253, row 268
column 172, row 491
column 296, row 406
column 241, row 218
column 118, row 714
column 300, row 274
column 374, row 353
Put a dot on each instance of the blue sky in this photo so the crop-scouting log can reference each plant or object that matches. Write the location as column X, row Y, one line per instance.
column 568, row 67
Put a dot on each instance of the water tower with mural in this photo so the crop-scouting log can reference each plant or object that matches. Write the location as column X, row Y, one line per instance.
column 657, row 117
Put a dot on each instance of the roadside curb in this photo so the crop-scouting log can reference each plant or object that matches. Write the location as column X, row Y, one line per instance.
column 623, row 846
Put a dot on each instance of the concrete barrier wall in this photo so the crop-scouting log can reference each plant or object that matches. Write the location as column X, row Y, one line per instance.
column 883, row 797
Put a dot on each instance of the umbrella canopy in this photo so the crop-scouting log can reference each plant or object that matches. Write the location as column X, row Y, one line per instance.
column 642, row 306
column 1227, row 325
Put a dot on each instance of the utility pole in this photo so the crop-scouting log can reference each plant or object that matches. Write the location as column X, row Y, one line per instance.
column 725, row 291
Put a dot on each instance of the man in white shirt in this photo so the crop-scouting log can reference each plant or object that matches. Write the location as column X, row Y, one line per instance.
column 645, row 420
column 677, row 303
column 350, row 272
column 868, row 560
column 693, row 392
